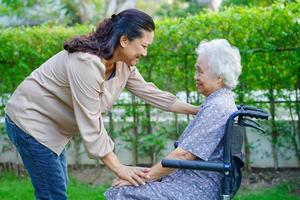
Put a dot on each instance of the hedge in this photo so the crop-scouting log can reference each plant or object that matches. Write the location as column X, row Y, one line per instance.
column 268, row 38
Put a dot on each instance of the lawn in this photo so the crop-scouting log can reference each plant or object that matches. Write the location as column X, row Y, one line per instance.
column 14, row 188
column 278, row 192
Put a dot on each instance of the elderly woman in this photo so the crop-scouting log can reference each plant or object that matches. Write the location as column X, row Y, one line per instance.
column 217, row 70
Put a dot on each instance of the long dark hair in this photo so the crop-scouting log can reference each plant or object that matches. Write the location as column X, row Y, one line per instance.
column 105, row 39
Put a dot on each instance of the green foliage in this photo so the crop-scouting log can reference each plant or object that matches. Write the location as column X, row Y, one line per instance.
column 183, row 8
column 5, row 143
column 16, row 6
column 76, row 14
column 24, row 49
column 259, row 33
column 179, row 8
column 268, row 38
column 36, row 12
column 153, row 144
column 139, row 135
column 249, row 2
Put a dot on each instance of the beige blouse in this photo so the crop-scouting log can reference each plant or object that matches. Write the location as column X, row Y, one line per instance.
column 66, row 96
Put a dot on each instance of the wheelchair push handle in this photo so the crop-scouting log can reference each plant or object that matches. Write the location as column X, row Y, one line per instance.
column 254, row 114
column 243, row 107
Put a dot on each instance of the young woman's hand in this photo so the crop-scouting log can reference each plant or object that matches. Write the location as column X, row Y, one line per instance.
column 134, row 175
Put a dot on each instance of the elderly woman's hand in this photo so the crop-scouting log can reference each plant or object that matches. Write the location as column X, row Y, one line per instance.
column 133, row 175
column 117, row 182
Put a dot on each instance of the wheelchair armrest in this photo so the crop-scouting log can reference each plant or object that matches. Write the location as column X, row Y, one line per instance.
column 194, row 164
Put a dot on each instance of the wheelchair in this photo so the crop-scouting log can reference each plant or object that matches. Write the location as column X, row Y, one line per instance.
column 233, row 159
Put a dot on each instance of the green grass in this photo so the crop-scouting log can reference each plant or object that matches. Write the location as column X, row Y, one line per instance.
column 279, row 192
column 14, row 188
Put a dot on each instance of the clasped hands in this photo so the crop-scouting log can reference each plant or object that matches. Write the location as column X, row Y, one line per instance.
column 128, row 175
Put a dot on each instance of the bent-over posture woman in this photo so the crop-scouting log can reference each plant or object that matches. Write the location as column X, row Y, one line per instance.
column 68, row 93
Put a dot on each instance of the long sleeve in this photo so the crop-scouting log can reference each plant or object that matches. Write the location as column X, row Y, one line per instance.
column 85, row 75
column 149, row 92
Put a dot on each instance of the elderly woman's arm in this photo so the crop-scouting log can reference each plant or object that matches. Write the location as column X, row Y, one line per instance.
column 157, row 171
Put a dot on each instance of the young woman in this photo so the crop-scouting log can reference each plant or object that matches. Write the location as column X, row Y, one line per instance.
column 68, row 93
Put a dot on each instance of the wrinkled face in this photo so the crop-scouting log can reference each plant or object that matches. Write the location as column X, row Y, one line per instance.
column 206, row 82
column 133, row 50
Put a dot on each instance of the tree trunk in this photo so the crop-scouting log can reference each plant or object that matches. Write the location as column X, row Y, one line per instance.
column 274, row 133
column 77, row 141
column 149, row 131
column 246, row 141
column 186, row 80
column 176, row 125
column 293, row 132
column 297, row 131
column 298, row 106
column 135, row 132
column 111, row 125
column 149, row 123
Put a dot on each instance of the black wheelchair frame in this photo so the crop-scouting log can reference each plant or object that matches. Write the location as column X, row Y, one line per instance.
column 232, row 155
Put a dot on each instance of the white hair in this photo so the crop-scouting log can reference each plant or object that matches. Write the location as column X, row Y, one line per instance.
column 223, row 60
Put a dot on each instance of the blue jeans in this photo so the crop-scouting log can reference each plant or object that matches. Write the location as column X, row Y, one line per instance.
column 47, row 170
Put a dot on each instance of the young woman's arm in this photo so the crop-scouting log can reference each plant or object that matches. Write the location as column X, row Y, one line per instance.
column 157, row 171
column 184, row 108
column 156, row 97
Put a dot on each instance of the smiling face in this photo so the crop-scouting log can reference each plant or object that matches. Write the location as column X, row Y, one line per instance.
column 206, row 81
column 132, row 51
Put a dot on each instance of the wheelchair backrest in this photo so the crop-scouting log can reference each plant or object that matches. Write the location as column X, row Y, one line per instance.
column 237, row 138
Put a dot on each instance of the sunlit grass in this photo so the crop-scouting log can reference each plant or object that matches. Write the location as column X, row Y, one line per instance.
column 281, row 191
column 15, row 188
